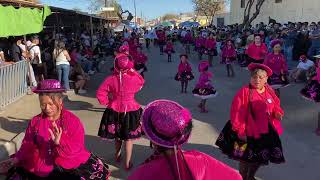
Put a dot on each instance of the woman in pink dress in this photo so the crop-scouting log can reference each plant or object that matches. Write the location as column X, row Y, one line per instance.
column 277, row 63
column 168, row 125
column 161, row 39
column 204, row 88
column 140, row 61
column 121, row 119
column 228, row 56
column 256, row 51
column 169, row 49
column 184, row 73
column 211, row 48
column 200, row 45
column 188, row 39
column 252, row 134
column 53, row 146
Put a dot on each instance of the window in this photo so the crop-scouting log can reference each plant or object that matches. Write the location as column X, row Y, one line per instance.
column 278, row 1
column 243, row 3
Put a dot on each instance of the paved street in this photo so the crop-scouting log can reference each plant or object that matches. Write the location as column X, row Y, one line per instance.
column 301, row 145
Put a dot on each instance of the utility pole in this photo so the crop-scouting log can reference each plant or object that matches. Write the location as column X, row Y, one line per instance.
column 141, row 18
column 135, row 12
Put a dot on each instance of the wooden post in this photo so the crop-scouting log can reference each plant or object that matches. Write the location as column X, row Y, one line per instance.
column 91, row 31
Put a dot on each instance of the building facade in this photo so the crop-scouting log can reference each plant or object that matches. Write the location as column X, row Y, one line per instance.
column 280, row 10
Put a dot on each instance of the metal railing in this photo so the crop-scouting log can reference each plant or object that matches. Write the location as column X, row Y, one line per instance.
column 13, row 82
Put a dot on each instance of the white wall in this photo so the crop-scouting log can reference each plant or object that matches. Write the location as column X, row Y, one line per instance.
column 226, row 17
column 288, row 10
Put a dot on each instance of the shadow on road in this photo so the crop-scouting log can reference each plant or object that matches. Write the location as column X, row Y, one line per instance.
column 14, row 125
column 77, row 105
column 106, row 150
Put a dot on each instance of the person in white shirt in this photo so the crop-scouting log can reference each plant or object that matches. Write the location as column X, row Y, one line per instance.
column 183, row 33
column 35, row 58
column 25, row 54
column 300, row 72
column 147, row 38
column 62, row 58
column 2, row 60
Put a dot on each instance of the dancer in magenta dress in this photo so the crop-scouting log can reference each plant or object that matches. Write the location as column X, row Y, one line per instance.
column 121, row 119
column 252, row 134
column 184, row 74
column 200, row 46
column 204, row 88
column 169, row 49
column 54, row 143
column 228, row 56
column 277, row 63
column 211, row 48
column 256, row 51
column 140, row 61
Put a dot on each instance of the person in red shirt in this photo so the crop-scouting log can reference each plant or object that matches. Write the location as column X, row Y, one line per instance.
column 252, row 134
column 169, row 49
column 140, row 60
column 188, row 39
column 228, row 56
column 184, row 73
column 54, row 143
column 277, row 63
column 199, row 45
column 256, row 51
column 161, row 39
column 211, row 48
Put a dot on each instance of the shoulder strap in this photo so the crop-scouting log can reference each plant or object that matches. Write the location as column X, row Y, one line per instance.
column 29, row 49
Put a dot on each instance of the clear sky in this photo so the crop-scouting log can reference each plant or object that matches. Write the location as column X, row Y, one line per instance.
column 150, row 8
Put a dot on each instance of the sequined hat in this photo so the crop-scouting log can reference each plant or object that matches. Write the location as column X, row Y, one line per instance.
column 49, row 86
column 165, row 122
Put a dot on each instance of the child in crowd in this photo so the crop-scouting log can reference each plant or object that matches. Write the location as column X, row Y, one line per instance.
column 184, row 73
column 228, row 56
column 211, row 48
column 277, row 63
column 204, row 89
column 140, row 60
column 169, row 49
column 199, row 45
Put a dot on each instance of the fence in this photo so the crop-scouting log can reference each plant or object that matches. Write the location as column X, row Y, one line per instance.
column 13, row 82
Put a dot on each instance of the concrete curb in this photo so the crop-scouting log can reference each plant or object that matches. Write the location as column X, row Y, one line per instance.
column 7, row 148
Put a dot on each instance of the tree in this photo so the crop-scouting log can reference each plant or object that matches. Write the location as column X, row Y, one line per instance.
column 168, row 17
column 248, row 17
column 208, row 8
